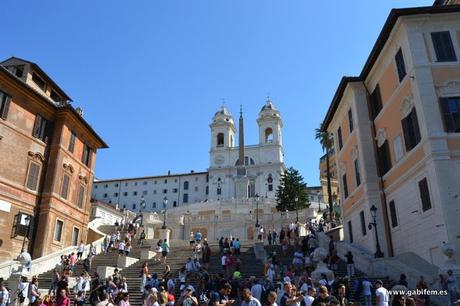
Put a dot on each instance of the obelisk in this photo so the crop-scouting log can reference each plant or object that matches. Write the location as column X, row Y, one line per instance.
column 241, row 179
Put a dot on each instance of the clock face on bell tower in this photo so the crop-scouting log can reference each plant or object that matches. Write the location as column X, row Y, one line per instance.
column 219, row 159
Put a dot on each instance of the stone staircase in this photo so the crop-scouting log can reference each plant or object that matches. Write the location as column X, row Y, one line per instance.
column 176, row 259
column 340, row 272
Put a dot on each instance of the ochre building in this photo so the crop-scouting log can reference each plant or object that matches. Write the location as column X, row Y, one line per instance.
column 47, row 157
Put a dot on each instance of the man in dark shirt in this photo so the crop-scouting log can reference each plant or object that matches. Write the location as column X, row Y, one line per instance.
column 324, row 297
column 220, row 298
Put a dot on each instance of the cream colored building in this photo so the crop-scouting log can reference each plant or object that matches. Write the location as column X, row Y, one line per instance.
column 396, row 128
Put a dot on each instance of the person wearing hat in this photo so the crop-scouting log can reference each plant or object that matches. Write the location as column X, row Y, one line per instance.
column 381, row 294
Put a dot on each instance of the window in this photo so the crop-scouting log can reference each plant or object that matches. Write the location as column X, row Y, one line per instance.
column 86, row 156
column 144, row 183
column 154, row 182
column 144, row 192
column 269, row 135
column 345, row 186
column 58, row 230
column 134, row 193
column 154, row 192
column 394, row 219
column 196, row 179
column 207, row 178
column 65, row 186
column 81, row 196
column 41, row 128
column 207, row 190
column 411, row 130
column 154, row 205
column 135, row 183
column 134, row 206
column 95, row 186
column 106, row 195
column 54, row 96
column 450, row 109
column 125, row 194
column 357, row 173
column 186, row 185
column 220, row 139
column 424, row 194
column 73, row 136
column 106, row 186
column 39, row 81
column 185, row 198
column 363, row 223
column 4, row 104
column 166, row 181
column 75, row 234
column 400, row 66
column 175, row 180
column 126, row 184
column 443, row 46
column 398, row 149
column 165, row 191
column 174, row 203
column 219, row 191
column 339, row 137
column 350, row 231
column 384, row 159
column 33, row 176
column 115, row 194
column 350, row 120
column 174, row 190
column 270, row 187
column 196, row 188
column 116, row 185
column 375, row 102
column 22, row 224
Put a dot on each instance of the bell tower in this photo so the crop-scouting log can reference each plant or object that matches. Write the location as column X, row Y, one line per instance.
column 270, row 125
column 222, row 130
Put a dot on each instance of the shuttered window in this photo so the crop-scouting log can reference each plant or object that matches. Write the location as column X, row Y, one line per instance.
column 32, row 176
column 363, row 223
column 339, row 137
column 357, row 173
column 424, row 194
column 443, row 47
column 58, row 230
column 345, row 186
column 375, row 102
column 350, row 231
column 4, row 104
column 73, row 137
column 42, row 128
column 86, row 157
column 350, row 120
column 394, row 218
column 384, row 159
column 81, row 196
column 401, row 67
column 65, row 186
column 450, row 109
column 411, row 130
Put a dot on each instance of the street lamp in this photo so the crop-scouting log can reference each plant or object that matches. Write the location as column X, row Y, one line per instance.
column 296, row 209
column 257, row 210
column 141, row 207
column 26, row 234
column 378, row 252
column 165, row 204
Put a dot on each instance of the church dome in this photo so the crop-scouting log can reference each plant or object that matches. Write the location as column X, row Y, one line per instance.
column 222, row 115
column 269, row 110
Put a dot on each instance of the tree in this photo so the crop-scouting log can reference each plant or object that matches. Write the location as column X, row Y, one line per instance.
column 291, row 187
column 326, row 141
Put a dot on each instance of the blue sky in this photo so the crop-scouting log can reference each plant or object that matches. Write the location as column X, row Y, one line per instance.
column 150, row 74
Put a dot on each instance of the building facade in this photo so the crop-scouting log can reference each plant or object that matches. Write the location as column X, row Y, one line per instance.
column 396, row 131
column 48, row 152
column 333, row 177
column 263, row 163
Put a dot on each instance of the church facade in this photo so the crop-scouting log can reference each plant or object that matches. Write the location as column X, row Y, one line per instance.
column 235, row 171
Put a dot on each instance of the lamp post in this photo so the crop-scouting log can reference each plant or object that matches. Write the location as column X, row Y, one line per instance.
column 165, row 204
column 26, row 234
column 378, row 252
column 257, row 210
column 141, row 208
column 296, row 209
